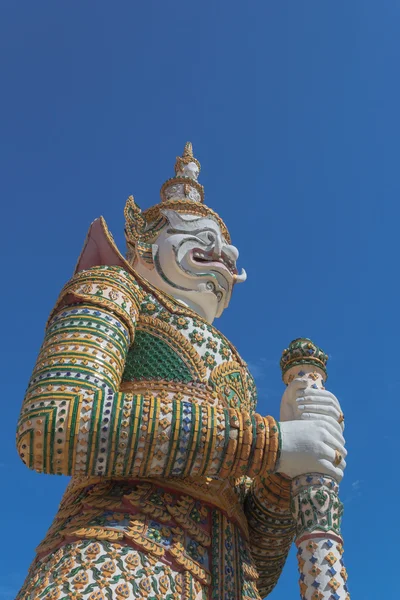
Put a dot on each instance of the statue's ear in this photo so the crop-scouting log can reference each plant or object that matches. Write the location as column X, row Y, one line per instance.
column 134, row 222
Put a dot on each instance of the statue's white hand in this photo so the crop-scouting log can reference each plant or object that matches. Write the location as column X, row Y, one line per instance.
column 320, row 404
column 301, row 401
column 311, row 447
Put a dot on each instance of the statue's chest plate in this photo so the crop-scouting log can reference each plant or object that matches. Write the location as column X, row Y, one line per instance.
column 184, row 349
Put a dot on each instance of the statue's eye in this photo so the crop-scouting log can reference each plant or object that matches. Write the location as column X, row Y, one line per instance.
column 207, row 237
column 210, row 236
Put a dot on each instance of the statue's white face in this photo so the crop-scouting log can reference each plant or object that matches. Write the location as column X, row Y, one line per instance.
column 193, row 263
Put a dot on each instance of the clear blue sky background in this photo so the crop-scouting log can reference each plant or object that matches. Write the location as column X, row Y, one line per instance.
column 293, row 110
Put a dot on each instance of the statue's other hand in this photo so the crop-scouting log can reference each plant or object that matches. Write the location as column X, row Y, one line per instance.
column 311, row 446
column 300, row 401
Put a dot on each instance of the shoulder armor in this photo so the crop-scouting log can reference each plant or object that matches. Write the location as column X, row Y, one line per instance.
column 109, row 287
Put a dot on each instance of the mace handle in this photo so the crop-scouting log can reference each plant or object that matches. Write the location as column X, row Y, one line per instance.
column 315, row 504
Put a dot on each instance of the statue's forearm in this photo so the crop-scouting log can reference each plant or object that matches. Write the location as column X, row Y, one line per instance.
column 134, row 435
column 137, row 435
column 271, row 527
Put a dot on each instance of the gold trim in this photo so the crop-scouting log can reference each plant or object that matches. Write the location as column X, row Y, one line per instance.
column 187, row 181
column 186, row 206
column 306, row 360
column 218, row 377
column 76, row 288
column 199, row 391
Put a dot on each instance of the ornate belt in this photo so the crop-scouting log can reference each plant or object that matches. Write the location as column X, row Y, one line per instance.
column 216, row 493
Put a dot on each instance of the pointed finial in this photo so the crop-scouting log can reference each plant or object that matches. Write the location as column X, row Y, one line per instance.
column 188, row 151
column 184, row 160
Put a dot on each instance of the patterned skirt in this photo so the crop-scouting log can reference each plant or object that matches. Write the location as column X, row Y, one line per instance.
column 135, row 539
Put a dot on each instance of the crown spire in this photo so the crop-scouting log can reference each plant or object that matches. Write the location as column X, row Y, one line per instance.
column 184, row 186
column 188, row 151
column 186, row 164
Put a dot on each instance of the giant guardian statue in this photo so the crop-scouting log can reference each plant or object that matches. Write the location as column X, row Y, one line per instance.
column 180, row 489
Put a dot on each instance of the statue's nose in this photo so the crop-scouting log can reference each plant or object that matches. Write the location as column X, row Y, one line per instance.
column 232, row 252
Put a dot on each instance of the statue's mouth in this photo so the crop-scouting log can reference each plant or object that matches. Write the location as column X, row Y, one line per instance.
column 212, row 260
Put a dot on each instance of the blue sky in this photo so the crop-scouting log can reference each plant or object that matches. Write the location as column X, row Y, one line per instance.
column 293, row 111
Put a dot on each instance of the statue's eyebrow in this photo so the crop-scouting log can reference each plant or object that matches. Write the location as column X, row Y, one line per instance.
column 193, row 232
column 214, row 227
column 196, row 231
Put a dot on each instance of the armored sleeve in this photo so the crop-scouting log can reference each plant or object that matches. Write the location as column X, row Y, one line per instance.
column 271, row 527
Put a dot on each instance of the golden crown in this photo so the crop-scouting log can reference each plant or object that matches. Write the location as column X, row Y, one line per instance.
column 182, row 194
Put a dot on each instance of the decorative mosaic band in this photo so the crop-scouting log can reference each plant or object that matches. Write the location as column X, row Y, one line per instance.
column 303, row 351
column 317, row 512
column 316, row 506
column 323, row 575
